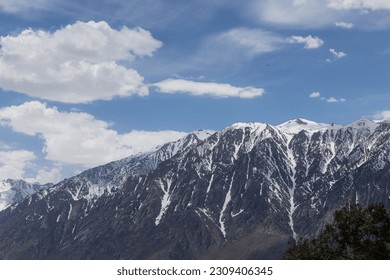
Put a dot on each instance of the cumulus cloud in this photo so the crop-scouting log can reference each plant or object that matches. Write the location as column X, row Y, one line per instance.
column 47, row 175
column 211, row 89
column 315, row 94
column 79, row 63
column 332, row 99
column 345, row 25
column 359, row 4
column 309, row 41
column 79, row 138
column 13, row 163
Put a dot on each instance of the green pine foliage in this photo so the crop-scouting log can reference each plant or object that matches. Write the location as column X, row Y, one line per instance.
column 356, row 233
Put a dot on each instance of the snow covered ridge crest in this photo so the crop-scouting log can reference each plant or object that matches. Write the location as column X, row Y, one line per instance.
column 297, row 125
column 294, row 126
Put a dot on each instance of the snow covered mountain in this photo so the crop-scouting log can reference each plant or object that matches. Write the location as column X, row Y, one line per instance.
column 12, row 191
column 93, row 183
column 243, row 192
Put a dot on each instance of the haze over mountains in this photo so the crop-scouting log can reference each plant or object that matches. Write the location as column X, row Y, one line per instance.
column 240, row 193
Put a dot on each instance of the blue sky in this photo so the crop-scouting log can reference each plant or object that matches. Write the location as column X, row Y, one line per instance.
column 83, row 83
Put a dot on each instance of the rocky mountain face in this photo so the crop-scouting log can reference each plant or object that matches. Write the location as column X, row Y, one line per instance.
column 240, row 193
column 12, row 191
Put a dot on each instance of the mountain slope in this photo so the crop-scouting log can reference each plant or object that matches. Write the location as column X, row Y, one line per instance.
column 243, row 192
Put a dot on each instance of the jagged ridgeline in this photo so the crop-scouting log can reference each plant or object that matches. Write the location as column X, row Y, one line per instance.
column 241, row 193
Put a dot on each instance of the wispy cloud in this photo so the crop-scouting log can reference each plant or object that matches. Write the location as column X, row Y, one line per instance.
column 335, row 100
column 321, row 13
column 310, row 42
column 359, row 4
column 299, row 13
column 211, row 89
column 336, row 55
column 244, row 41
column 17, row 6
column 345, row 25
column 76, row 64
column 240, row 44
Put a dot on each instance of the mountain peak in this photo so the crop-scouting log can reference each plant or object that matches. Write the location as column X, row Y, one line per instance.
column 242, row 125
column 294, row 126
column 363, row 123
column 302, row 121
column 202, row 134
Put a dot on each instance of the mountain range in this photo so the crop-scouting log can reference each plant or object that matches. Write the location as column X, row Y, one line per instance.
column 244, row 192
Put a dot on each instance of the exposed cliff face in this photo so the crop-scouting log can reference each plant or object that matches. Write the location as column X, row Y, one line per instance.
column 243, row 192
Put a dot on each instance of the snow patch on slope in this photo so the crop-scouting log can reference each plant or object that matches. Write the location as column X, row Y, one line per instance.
column 165, row 201
column 228, row 197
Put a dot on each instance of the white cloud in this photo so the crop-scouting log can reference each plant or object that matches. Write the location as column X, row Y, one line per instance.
column 212, row 89
column 335, row 100
column 232, row 49
column 383, row 115
column 315, row 94
column 252, row 41
column 299, row 13
column 320, row 13
column 309, row 41
column 359, row 4
column 337, row 54
column 345, row 25
column 13, row 163
column 79, row 63
column 239, row 45
column 79, row 138
column 257, row 41
column 47, row 175
column 332, row 99
column 16, row 6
